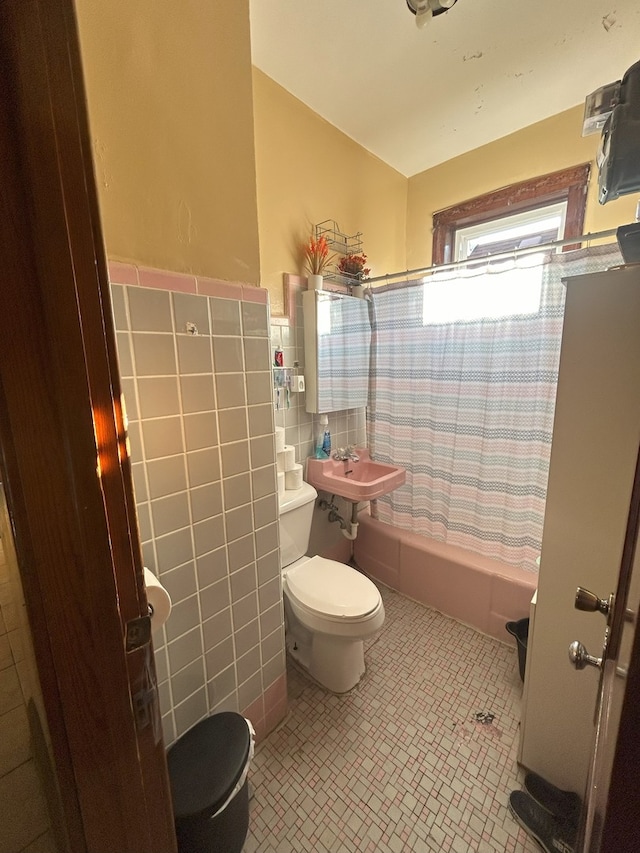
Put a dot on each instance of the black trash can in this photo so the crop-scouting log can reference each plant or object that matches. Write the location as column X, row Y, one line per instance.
column 208, row 768
column 520, row 631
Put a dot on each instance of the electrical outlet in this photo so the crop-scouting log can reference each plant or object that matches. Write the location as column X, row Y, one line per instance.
column 298, row 383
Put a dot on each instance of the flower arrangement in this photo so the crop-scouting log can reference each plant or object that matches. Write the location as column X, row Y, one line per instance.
column 354, row 266
column 316, row 255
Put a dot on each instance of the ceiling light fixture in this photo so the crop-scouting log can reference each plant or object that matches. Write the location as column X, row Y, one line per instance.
column 424, row 10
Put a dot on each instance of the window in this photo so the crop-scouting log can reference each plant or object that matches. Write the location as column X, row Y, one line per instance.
column 566, row 188
column 518, row 231
column 508, row 289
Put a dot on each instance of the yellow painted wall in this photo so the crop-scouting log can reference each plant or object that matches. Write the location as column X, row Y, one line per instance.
column 544, row 147
column 171, row 109
column 206, row 165
column 308, row 171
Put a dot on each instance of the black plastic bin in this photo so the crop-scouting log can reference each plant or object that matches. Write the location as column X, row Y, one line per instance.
column 206, row 765
column 520, row 631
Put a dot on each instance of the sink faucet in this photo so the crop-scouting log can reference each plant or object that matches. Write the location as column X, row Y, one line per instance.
column 342, row 454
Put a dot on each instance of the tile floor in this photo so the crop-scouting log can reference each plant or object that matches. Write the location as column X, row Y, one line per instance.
column 400, row 764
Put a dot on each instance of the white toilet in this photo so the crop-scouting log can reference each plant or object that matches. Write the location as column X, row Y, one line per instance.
column 330, row 608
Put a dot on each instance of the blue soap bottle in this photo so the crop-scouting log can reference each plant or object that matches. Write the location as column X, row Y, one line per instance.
column 323, row 439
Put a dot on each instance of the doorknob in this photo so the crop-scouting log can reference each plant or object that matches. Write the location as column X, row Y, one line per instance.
column 580, row 658
column 589, row 601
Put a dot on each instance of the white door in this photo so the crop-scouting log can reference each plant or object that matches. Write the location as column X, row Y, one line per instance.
column 593, row 460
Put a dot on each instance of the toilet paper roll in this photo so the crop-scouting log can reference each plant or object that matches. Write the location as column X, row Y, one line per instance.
column 279, row 439
column 280, row 461
column 289, row 457
column 158, row 598
column 281, row 482
column 293, row 478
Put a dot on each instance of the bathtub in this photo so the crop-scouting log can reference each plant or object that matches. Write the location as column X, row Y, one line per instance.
column 476, row 590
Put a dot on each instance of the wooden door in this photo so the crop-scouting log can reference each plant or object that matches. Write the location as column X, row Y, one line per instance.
column 618, row 682
column 63, row 451
column 622, row 816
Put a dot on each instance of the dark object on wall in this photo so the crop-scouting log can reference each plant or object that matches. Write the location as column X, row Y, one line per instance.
column 206, row 765
column 619, row 154
column 628, row 237
column 520, row 631
column 598, row 106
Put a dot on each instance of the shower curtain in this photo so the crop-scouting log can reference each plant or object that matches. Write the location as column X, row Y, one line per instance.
column 462, row 394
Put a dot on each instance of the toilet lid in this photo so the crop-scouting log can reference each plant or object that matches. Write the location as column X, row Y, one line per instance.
column 332, row 588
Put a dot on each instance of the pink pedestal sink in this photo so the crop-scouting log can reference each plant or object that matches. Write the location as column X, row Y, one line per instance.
column 364, row 480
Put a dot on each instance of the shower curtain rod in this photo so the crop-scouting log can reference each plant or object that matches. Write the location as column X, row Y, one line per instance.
column 584, row 238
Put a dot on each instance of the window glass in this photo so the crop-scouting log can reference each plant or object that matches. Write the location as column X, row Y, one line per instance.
column 521, row 230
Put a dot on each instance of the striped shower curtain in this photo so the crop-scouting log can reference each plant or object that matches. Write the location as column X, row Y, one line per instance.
column 465, row 402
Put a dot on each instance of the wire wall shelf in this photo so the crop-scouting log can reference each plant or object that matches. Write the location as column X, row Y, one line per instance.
column 342, row 244
column 344, row 278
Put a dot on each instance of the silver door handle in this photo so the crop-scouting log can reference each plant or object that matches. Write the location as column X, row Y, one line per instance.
column 580, row 658
column 589, row 601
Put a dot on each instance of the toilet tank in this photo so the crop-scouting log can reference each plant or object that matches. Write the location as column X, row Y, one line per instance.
column 296, row 513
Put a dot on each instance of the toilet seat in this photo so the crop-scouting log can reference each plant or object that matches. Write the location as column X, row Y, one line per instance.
column 332, row 590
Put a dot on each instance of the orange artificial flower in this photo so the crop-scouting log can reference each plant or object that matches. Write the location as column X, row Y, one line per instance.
column 316, row 255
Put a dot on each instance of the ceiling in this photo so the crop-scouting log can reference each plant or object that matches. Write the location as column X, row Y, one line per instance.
column 416, row 98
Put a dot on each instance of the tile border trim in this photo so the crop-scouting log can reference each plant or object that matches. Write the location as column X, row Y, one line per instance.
column 132, row 274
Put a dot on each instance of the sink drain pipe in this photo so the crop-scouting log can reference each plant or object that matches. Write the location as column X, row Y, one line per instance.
column 352, row 530
column 349, row 528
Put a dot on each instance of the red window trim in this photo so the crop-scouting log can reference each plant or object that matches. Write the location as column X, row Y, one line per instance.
column 567, row 184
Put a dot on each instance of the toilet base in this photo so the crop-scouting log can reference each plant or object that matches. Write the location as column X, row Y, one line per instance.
column 335, row 663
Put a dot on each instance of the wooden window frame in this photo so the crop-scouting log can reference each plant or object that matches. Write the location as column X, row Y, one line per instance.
column 568, row 185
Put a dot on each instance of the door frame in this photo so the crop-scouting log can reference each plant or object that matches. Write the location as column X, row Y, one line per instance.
column 63, row 454
column 621, row 829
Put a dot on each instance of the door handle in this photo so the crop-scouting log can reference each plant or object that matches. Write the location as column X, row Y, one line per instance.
column 589, row 601
column 580, row 658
